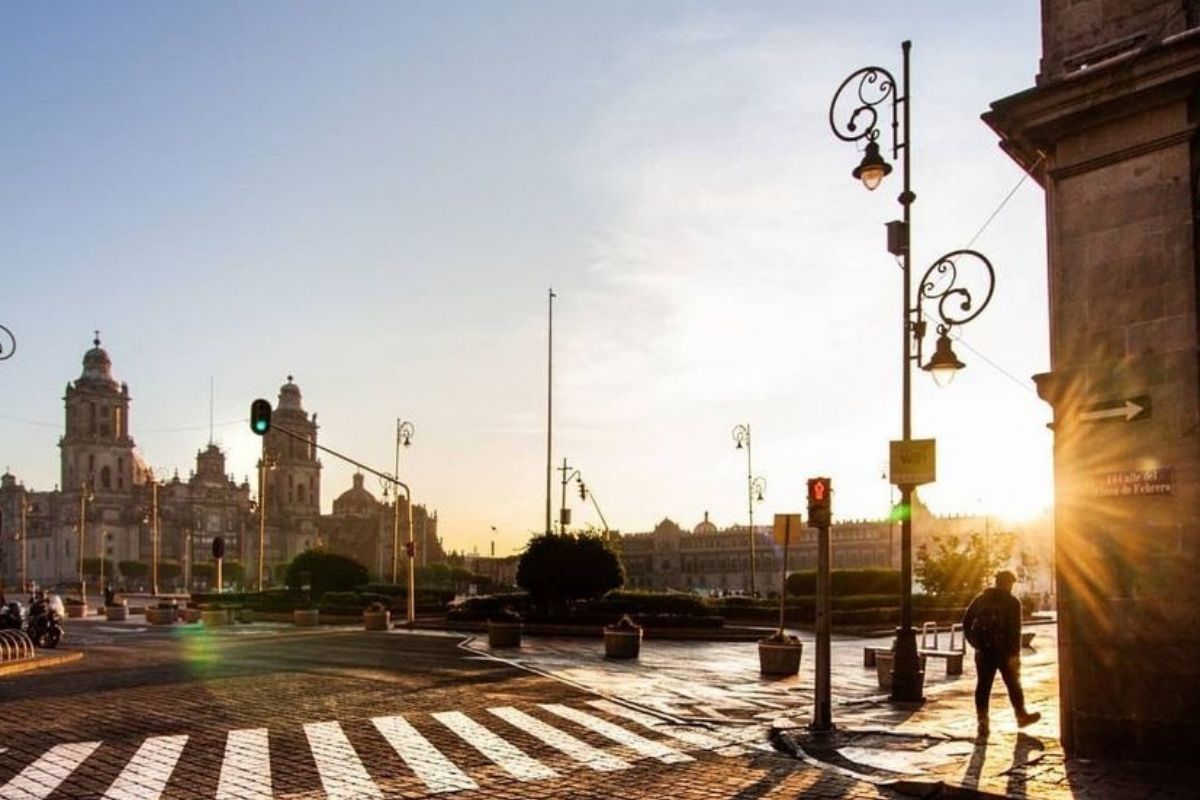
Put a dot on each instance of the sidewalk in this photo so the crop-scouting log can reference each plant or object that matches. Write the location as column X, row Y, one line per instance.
column 925, row 751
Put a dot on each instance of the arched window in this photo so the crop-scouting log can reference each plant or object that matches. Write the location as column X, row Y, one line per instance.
column 105, row 477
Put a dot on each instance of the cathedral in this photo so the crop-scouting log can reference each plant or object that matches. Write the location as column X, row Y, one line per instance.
column 110, row 504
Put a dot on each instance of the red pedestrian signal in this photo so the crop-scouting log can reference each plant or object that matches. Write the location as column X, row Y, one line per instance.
column 820, row 491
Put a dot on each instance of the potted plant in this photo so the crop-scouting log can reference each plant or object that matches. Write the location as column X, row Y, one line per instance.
column 214, row 616
column 244, row 614
column 162, row 613
column 376, row 617
column 190, row 614
column 622, row 640
column 504, row 628
column 306, row 617
column 779, row 654
column 117, row 611
column 76, row 608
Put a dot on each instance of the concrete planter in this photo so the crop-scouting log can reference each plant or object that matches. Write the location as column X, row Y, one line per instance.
column 779, row 659
column 160, row 616
column 190, row 615
column 377, row 620
column 306, row 617
column 884, row 662
column 504, row 634
column 76, row 611
column 116, row 613
column 622, row 643
column 244, row 615
column 215, row 617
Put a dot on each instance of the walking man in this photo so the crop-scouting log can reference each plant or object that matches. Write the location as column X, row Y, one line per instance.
column 992, row 625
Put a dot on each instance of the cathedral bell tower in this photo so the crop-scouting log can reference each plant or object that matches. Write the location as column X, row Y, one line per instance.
column 294, row 490
column 96, row 446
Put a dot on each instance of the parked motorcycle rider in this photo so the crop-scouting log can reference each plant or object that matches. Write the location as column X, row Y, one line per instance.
column 44, row 624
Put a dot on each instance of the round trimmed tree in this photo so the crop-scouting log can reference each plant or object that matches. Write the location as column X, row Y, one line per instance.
column 568, row 566
column 324, row 572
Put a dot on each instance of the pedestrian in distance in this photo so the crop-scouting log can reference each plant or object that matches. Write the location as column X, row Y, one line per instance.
column 992, row 625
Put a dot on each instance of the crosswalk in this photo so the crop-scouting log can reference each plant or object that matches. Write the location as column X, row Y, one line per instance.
column 387, row 756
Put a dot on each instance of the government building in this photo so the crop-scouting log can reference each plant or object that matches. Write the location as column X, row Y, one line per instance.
column 108, row 501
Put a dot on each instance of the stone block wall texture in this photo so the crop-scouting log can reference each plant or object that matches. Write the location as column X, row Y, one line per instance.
column 1117, row 153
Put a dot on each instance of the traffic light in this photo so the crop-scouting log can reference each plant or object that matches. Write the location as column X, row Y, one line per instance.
column 819, row 506
column 218, row 545
column 260, row 416
column 582, row 490
column 410, row 548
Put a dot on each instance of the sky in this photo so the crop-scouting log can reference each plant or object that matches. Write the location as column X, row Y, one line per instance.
column 376, row 198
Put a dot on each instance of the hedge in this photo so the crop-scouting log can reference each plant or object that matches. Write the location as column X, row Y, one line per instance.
column 847, row 582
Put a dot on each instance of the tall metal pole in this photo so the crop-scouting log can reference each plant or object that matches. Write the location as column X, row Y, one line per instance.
column 396, row 511
column 154, row 535
column 82, row 522
column 24, row 546
column 412, row 561
column 908, row 682
column 262, row 514
column 549, row 403
column 750, row 502
column 822, row 705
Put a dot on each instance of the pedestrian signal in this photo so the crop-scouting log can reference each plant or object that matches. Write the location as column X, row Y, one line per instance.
column 819, row 502
column 582, row 490
column 260, row 416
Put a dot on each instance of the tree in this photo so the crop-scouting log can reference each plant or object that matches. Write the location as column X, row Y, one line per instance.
column 949, row 565
column 133, row 569
column 233, row 572
column 569, row 566
column 168, row 570
column 324, row 572
column 91, row 568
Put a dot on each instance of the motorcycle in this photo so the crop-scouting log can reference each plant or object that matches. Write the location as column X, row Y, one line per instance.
column 12, row 616
column 44, row 625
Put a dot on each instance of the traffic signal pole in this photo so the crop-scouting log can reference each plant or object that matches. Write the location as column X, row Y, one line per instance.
column 256, row 425
column 819, row 517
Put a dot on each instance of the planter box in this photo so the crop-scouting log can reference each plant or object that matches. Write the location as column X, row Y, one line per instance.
column 116, row 613
column 621, row 643
column 190, row 615
column 214, row 617
column 244, row 615
column 306, row 617
column 884, row 660
column 160, row 616
column 504, row 634
column 75, row 611
column 779, row 658
column 377, row 620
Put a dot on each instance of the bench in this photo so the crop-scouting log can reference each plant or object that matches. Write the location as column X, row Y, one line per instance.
column 955, row 651
column 870, row 651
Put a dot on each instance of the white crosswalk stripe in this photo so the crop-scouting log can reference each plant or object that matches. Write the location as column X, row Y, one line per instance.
column 147, row 773
column 246, row 768
column 43, row 776
column 638, row 744
column 245, row 771
column 342, row 772
column 437, row 771
column 499, row 751
column 579, row 750
column 695, row 738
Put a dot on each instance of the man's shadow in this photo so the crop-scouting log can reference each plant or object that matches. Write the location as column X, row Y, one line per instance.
column 1024, row 748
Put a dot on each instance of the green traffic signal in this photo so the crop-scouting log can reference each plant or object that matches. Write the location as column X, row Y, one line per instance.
column 260, row 416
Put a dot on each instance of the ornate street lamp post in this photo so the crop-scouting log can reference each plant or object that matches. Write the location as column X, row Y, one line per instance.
column 85, row 496
column 404, row 434
column 944, row 286
column 754, row 490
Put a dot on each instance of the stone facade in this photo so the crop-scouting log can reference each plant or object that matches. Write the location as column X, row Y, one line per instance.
column 99, row 462
column 1109, row 131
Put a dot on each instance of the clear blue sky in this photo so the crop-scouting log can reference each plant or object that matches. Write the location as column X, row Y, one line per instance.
column 374, row 197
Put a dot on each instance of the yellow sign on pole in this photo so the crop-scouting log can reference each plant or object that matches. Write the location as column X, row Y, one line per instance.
column 913, row 463
column 787, row 528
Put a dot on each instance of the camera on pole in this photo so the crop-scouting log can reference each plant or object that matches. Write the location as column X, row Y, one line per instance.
column 260, row 416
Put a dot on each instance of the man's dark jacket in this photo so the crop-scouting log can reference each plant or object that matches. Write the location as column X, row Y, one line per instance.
column 1011, row 609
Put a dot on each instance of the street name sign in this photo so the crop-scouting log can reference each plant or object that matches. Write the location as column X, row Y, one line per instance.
column 913, row 463
column 1128, row 409
column 1133, row 482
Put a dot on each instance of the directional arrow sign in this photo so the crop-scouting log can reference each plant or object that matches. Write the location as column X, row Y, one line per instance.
column 1129, row 409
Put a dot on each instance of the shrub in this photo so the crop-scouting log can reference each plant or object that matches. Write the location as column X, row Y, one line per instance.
column 325, row 572
column 562, row 567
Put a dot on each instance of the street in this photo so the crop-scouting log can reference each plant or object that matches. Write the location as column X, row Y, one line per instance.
column 271, row 711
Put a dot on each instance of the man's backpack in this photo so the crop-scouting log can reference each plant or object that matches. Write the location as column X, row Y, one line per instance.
column 988, row 628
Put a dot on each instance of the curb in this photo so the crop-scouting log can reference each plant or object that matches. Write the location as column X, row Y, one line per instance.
column 40, row 662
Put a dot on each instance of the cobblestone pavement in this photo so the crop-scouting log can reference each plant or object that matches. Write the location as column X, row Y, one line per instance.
column 250, row 713
column 918, row 749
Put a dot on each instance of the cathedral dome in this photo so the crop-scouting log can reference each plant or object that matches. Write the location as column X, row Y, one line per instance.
column 289, row 396
column 356, row 500
column 97, row 365
column 706, row 526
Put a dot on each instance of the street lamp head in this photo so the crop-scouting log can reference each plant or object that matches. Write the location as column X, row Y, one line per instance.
column 944, row 363
column 872, row 169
